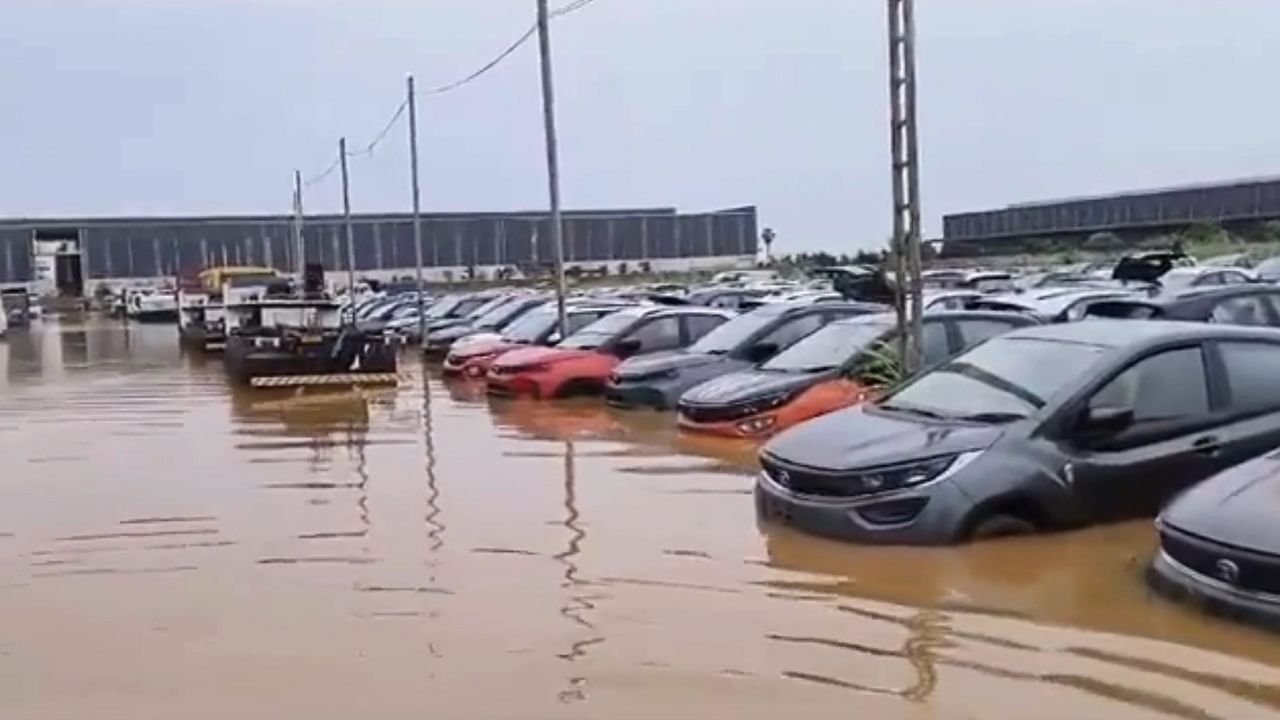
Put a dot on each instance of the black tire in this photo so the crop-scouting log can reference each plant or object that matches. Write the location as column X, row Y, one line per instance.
column 1001, row 525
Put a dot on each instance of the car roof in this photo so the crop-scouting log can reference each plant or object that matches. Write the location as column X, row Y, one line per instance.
column 1170, row 297
column 1116, row 333
column 888, row 318
column 646, row 310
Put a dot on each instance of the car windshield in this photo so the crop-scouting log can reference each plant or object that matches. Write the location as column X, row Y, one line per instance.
column 500, row 316
column 532, row 327
column 828, row 348
column 1001, row 378
column 601, row 331
column 476, row 308
column 444, row 306
column 404, row 311
column 730, row 335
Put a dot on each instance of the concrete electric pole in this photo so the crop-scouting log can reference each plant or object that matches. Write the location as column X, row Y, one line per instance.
column 906, row 180
column 346, row 220
column 553, row 160
column 417, row 212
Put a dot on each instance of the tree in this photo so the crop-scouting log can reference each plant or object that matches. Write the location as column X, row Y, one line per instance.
column 767, row 237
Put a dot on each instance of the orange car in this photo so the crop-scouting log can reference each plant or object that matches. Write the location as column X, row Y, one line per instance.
column 471, row 356
column 580, row 365
column 840, row 365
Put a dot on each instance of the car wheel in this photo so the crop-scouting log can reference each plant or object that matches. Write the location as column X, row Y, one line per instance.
column 1000, row 525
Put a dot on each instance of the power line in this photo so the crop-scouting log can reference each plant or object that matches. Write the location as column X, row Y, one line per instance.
column 561, row 11
column 509, row 51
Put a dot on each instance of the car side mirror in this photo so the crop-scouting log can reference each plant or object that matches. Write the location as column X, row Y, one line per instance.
column 760, row 352
column 626, row 348
column 1104, row 421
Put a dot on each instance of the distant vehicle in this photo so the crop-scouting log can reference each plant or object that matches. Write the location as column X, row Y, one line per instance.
column 1150, row 266
column 581, row 363
column 658, row 381
column 731, row 298
column 1050, row 305
column 493, row 320
column 1049, row 427
column 840, row 365
column 1253, row 304
column 981, row 280
column 1268, row 270
column 149, row 305
column 1204, row 275
column 471, row 356
column 743, row 276
column 1220, row 544
column 1236, row 260
column 939, row 300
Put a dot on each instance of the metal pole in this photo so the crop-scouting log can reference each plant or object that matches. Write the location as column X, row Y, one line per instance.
column 898, row 244
column 417, row 211
column 346, row 219
column 299, row 251
column 553, row 161
column 913, row 184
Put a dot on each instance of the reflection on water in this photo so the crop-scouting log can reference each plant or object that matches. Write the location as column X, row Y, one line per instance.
column 172, row 548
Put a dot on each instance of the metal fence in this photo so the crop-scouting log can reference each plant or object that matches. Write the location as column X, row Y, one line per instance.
column 144, row 247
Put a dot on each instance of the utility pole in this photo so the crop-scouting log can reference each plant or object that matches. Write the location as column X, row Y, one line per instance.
column 906, row 182
column 346, row 219
column 553, row 160
column 299, row 252
column 417, row 212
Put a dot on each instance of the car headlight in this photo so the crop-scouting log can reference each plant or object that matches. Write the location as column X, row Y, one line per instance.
column 898, row 477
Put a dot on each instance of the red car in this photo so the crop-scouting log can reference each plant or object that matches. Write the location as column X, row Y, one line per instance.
column 580, row 365
column 471, row 356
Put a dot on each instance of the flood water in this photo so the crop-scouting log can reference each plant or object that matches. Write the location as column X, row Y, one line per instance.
column 170, row 548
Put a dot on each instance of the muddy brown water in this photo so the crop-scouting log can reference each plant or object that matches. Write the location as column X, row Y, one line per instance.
column 170, row 548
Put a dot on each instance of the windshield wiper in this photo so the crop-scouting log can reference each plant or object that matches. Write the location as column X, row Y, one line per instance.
column 993, row 418
column 913, row 410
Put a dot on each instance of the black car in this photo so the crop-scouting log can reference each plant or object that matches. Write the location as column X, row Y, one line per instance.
column 1254, row 304
column 1048, row 427
column 1220, row 544
column 493, row 319
column 827, row 370
column 658, row 381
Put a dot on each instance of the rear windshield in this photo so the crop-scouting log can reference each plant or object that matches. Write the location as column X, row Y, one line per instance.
column 829, row 347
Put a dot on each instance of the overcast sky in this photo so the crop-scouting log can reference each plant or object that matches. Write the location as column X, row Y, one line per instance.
column 178, row 106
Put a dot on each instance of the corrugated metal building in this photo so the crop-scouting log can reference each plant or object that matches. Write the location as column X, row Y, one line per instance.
column 117, row 248
column 1226, row 203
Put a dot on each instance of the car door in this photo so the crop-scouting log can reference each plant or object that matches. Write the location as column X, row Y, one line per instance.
column 1170, row 444
column 1251, row 424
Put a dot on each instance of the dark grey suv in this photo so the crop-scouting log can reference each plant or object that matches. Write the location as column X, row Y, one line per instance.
column 658, row 381
column 1043, row 428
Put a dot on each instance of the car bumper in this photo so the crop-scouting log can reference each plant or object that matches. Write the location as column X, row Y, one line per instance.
column 1179, row 582
column 936, row 523
column 635, row 396
column 753, row 427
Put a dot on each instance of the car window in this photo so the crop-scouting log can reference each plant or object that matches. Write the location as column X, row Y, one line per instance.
column 658, row 334
column 1251, row 372
column 727, row 300
column 934, row 344
column 577, row 321
column 1232, row 278
column 1247, row 310
column 1167, row 386
column 973, row 332
column 787, row 334
column 699, row 325
column 1209, row 279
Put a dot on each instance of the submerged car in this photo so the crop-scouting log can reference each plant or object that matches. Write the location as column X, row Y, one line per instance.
column 835, row 367
column 472, row 355
column 582, row 362
column 1253, row 304
column 1220, row 543
column 1056, row 426
column 658, row 381
column 493, row 319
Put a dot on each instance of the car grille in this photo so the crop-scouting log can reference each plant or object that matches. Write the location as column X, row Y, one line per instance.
column 1240, row 568
column 714, row 413
column 802, row 481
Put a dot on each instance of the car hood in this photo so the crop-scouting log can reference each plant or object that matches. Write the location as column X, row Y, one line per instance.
column 857, row 438
column 453, row 332
column 538, row 356
column 479, row 344
column 639, row 368
column 1237, row 507
column 750, row 384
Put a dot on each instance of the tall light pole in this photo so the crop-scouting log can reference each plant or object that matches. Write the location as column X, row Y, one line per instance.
column 417, row 211
column 906, row 179
column 553, row 160
column 299, row 254
column 346, row 220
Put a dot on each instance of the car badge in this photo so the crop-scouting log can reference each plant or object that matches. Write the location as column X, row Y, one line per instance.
column 1069, row 473
column 784, row 478
column 1227, row 571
